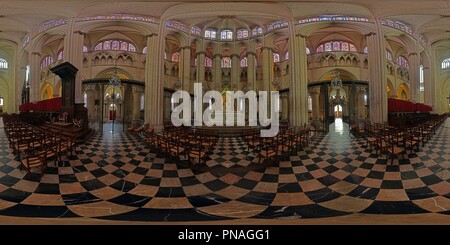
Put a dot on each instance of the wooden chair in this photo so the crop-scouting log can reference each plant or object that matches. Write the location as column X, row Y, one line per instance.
column 35, row 159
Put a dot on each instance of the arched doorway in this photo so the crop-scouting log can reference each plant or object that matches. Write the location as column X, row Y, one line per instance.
column 337, row 111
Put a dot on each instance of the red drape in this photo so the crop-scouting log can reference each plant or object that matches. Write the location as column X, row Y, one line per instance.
column 53, row 104
column 395, row 105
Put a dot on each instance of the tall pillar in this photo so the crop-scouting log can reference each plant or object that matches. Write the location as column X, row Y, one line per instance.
column 315, row 93
column 73, row 53
column 35, row 76
column 136, row 105
column 298, row 87
column 377, row 77
column 414, row 76
column 201, row 66
column 154, row 82
column 185, row 67
column 267, row 65
column 235, row 72
column 429, row 79
column 217, row 71
column 360, row 106
column 251, row 70
column 90, row 92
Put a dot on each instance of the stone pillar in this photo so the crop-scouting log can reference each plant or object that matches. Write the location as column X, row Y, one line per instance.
column 377, row 77
column 267, row 65
column 251, row 70
column 284, row 106
column 360, row 106
column 73, row 53
column 298, row 87
column 185, row 68
column 315, row 93
column 35, row 76
column 414, row 76
column 201, row 66
column 90, row 91
column 429, row 79
column 154, row 80
column 217, row 71
column 235, row 72
column 136, row 105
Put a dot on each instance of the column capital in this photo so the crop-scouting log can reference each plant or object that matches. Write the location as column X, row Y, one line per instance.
column 36, row 53
column 151, row 35
column 137, row 89
column 369, row 34
column 250, row 53
column 361, row 88
column 219, row 55
column 301, row 35
column 186, row 47
column 412, row 54
column 234, row 55
column 265, row 47
column 314, row 90
column 201, row 52
column 80, row 33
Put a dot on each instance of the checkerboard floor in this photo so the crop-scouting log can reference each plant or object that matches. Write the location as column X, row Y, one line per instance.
column 117, row 177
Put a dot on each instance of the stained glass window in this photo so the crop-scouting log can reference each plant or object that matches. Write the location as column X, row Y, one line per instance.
column 388, row 55
column 175, row 57
column 210, row 34
column 307, row 52
column 107, row 45
column 445, row 64
column 144, row 51
column 366, row 50
column 226, row 35
column 286, row 56
column 319, row 49
column 242, row 34
column 46, row 61
column 124, row 46
column 85, row 49
column 402, row 62
column 328, row 47
column 98, row 47
column 244, row 62
column 353, row 48
column 114, row 45
column 276, row 57
column 60, row 55
column 336, row 46
column 344, row 46
column 226, row 62
column 208, row 62
column 3, row 64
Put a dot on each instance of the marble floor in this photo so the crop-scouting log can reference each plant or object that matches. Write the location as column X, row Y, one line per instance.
column 115, row 177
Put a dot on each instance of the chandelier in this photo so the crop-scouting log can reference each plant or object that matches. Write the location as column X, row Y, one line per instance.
column 336, row 82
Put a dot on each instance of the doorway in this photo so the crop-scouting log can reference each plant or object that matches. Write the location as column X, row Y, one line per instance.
column 338, row 111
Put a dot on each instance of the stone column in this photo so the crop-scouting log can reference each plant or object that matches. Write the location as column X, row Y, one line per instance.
column 185, row 67
column 284, row 106
column 251, row 70
column 235, row 72
column 136, row 105
column 201, row 66
column 414, row 76
column 154, row 80
column 429, row 79
column 360, row 106
column 90, row 91
column 377, row 77
column 35, row 76
column 73, row 53
column 217, row 71
column 267, row 65
column 298, row 87
column 315, row 93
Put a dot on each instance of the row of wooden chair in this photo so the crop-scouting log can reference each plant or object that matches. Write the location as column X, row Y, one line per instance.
column 34, row 146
